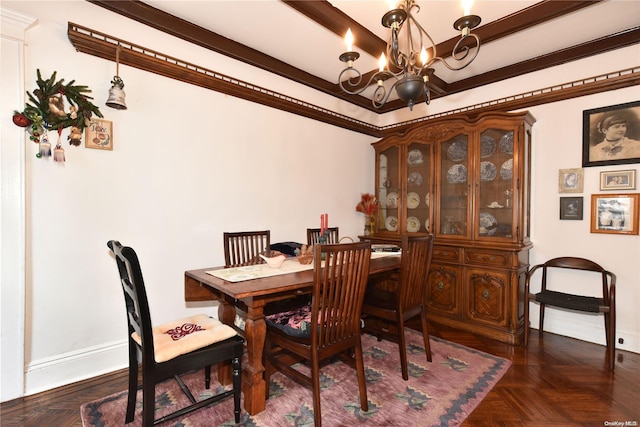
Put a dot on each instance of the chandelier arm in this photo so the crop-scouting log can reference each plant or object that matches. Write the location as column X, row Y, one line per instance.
column 381, row 95
column 461, row 53
column 432, row 44
column 355, row 81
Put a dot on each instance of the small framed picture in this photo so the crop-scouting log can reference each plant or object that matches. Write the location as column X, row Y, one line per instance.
column 618, row 180
column 615, row 213
column 611, row 135
column 99, row 135
column 571, row 208
column 570, row 181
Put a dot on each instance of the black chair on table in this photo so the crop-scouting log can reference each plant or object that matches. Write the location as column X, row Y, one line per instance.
column 313, row 235
column 171, row 349
column 244, row 247
column 386, row 311
column 603, row 303
column 329, row 326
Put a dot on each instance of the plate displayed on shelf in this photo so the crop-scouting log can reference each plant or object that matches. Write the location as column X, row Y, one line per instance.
column 457, row 150
column 415, row 178
column 413, row 224
column 392, row 200
column 391, row 223
column 506, row 143
column 487, row 146
column 488, row 171
column 413, row 200
column 426, row 224
column 415, row 157
column 426, row 199
column 488, row 224
column 506, row 170
column 457, row 174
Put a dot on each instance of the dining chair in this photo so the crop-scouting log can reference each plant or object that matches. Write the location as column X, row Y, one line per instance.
column 329, row 326
column 171, row 349
column 244, row 247
column 313, row 235
column 386, row 310
column 603, row 303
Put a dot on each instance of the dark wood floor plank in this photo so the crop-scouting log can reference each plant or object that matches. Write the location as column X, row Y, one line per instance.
column 557, row 381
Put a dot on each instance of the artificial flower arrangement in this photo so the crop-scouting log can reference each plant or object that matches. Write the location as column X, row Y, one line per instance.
column 369, row 207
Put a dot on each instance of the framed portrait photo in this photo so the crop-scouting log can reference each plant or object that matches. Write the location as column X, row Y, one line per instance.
column 570, row 180
column 99, row 135
column 618, row 180
column 611, row 135
column 615, row 213
column 571, row 208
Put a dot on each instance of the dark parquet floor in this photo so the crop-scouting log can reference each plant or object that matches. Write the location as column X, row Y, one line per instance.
column 557, row 381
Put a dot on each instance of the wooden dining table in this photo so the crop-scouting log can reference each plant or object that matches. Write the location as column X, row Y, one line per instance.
column 251, row 297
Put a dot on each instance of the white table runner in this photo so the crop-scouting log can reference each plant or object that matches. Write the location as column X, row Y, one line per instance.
column 249, row 272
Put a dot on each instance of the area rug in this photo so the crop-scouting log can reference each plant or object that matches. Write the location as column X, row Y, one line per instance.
column 440, row 393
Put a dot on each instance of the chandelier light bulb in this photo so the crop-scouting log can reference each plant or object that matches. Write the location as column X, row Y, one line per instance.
column 348, row 39
column 382, row 62
column 424, row 56
column 466, row 6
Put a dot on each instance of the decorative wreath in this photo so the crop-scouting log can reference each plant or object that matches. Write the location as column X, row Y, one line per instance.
column 46, row 109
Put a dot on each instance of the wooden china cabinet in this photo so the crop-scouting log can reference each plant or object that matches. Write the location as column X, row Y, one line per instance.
column 468, row 183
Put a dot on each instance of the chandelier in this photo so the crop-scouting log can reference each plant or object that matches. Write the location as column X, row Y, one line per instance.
column 411, row 52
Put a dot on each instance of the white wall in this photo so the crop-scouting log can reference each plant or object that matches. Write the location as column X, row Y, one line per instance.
column 189, row 164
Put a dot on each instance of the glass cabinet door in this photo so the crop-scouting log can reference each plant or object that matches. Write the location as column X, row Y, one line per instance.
column 388, row 188
column 418, row 188
column 453, row 215
column 496, row 185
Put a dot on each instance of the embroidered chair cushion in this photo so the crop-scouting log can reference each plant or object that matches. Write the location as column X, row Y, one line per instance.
column 295, row 322
column 182, row 336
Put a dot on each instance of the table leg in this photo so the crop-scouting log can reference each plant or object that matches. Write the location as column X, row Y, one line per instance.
column 253, row 375
column 227, row 315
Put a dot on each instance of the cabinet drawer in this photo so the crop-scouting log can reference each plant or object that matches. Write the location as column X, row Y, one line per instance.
column 446, row 253
column 494, row 259
column 442, row 288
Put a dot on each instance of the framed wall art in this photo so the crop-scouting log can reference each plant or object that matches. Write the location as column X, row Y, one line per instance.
column 571, row 208
column 570, row 180
column 615, row 213
column 99, row 135
column 618, row 180
column 611, row 135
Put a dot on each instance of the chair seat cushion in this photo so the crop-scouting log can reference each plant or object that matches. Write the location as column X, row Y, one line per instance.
column 296, row 322
column 186, row 335
column 572, row 302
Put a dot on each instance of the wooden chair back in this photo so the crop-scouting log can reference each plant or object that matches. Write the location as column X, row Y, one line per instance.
column 313, row 234
column 338, row 293
column 414, row 272
column 243, row 248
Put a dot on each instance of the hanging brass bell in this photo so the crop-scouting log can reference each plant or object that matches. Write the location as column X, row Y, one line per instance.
column 116, row 94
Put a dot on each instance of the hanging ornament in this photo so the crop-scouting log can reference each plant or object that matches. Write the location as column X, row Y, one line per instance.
column 45, row 146
column 75, row 136
column 116, row 93
column 58, row 152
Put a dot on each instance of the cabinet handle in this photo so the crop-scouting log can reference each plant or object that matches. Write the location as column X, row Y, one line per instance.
column 440, row 286
column 485, row 295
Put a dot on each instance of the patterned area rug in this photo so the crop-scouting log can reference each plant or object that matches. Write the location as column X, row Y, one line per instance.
column 440, row 393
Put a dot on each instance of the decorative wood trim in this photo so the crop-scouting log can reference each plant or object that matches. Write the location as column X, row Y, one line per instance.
column 104, row 46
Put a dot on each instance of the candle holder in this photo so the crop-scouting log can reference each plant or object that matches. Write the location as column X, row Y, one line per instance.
column 322, row 240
